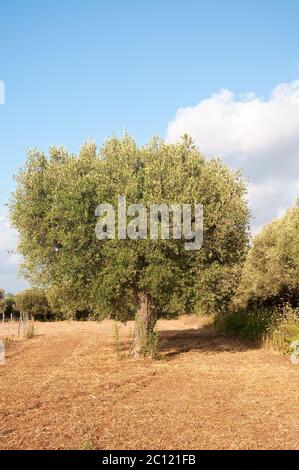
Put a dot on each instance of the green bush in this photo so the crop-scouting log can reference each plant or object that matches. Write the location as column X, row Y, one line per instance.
column 249, row 324
column 284, row 332
column 276, row 328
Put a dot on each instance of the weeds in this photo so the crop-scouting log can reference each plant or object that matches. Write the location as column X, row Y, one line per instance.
column 151, row 347
column 248, row 324
column 144, row 340
column 275, row 328
column 284, row 332
column 87, row 445
column 116, row 338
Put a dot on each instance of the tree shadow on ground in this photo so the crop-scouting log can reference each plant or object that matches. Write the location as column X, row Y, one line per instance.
column 173, row 343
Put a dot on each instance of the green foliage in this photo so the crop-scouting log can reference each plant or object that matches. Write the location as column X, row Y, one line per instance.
column 53, row 209
column 269, row 286
column 33, row 303
column 271, row 271
column 2, row 301
column 217, row 284
column 274, row 327
column 9, row 304
column 249, row 324
column 58, row 312
column 284, row 332
column 151, row 347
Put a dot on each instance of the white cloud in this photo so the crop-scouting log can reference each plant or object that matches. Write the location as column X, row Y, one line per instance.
column 9, row 259
column 259, row 136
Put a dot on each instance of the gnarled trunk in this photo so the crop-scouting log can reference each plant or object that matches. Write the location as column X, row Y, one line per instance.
column 144, row 340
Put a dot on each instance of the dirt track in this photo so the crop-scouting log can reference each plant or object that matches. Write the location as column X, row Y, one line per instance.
column 69, row 388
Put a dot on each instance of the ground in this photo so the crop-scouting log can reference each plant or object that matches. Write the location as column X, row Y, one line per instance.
column 73, row 386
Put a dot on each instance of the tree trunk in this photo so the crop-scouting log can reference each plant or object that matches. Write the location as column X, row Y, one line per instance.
column 144, row 339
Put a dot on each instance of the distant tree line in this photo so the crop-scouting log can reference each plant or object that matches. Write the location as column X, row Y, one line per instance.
column 35, row 304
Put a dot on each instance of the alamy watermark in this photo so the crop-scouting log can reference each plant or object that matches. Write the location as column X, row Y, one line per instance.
column 164, row 221
column 2, row 92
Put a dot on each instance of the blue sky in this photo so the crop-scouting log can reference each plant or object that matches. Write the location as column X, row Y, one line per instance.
column 78, row 69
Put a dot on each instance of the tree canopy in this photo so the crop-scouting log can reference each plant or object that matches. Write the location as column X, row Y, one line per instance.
column 271, row 271
column 54, row 206
column 33, row 303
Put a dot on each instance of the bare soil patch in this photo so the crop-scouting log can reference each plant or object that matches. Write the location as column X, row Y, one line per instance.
column 69, row 388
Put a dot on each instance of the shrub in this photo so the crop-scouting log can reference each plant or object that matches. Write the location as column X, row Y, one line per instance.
column 248, row 324
column 276, row 328
column 284, row 332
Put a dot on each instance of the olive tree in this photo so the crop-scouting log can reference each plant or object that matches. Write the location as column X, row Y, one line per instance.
column 271, row 270
column 54, row 209
column 33, row 304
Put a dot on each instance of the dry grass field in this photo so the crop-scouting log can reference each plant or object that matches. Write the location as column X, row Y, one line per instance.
column 72, row 387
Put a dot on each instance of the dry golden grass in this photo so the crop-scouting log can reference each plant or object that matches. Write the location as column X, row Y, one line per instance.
column 70, row 387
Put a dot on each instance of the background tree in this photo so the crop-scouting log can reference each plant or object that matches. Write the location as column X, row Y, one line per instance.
column 54, row 206
column 33, row 304
column 271, row 271
column 2, row 304
column 9, row 304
